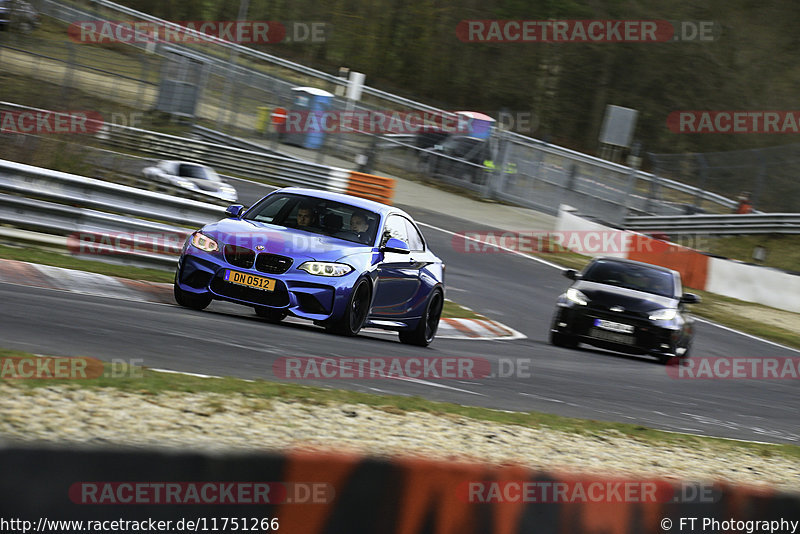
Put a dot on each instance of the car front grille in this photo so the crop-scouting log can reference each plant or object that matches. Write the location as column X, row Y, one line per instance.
column 273, row 263
column 605, row 313
column 239, row 256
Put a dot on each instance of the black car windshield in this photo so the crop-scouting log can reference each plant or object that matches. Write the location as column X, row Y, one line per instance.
column 631, row 276
column 192, row 171
column 318, row 216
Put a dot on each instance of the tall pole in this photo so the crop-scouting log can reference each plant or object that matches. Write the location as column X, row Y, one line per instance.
column 243, row 6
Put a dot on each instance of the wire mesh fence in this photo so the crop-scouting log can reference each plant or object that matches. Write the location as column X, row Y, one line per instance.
column 234, row 90
column 769, row 176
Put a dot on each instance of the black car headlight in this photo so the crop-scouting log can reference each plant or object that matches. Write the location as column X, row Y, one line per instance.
column 664, row 314
column 573, row 295
column 325, row 268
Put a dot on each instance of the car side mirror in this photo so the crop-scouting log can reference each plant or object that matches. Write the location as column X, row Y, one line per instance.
column 690, row 298
column 235, row 211
column 572, row 274
column 395, row 245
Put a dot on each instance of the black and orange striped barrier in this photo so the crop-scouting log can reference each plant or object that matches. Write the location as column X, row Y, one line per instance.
column 321, row 493
column 372, row 187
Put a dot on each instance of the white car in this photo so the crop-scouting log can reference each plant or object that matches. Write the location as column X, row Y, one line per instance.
column 192, row 177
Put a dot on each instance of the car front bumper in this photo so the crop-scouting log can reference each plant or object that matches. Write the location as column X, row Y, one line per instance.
column 659, row 338
column 317, row 298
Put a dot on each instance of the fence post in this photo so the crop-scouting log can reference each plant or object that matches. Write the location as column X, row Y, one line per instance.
column 496, row 181
column 759, row 185
column 652, row 194
column 698, row 199
column 629, row 188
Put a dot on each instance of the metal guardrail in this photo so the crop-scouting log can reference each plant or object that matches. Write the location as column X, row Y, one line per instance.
column 55, row 203
column 219, row 138
column 245, row 163
column 60, row 187
column 735, row 224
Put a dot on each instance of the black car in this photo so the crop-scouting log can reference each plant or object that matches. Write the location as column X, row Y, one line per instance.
column 626, row 306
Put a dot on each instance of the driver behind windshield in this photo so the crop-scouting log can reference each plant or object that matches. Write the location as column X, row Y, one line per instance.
column 306, row 216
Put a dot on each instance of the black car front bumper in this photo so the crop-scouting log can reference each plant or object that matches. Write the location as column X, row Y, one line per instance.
column 659, row 338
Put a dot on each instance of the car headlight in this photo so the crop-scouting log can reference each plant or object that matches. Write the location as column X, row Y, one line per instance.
column 577, row 297
column 203, row 242
column 665, row 314
column 325, row 268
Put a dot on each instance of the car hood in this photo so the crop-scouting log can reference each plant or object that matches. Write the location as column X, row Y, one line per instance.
column 604, row 296
column 282, row 240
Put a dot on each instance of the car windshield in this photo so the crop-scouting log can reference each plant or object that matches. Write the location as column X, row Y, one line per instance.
column 318, row 216
column 631, row 276
column 196, row 172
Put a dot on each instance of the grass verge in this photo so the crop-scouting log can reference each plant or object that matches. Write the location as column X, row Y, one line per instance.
column 782, row 251
column 62, row 259
column 148, row 382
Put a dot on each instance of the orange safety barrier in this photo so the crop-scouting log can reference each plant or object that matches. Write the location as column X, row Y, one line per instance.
column 413, row 495
column 377, row 188
column 692, row 265
column 321, row 493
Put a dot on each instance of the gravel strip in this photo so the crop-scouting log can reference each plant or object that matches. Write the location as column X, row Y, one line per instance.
column 210, row 421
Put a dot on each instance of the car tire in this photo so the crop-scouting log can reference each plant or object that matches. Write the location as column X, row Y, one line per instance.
column 355, row 315
column 190, row 300
column 272, row 315
column 563, row 340
column 425, row 332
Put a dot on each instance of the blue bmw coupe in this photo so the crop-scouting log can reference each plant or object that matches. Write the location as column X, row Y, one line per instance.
column 341, row 261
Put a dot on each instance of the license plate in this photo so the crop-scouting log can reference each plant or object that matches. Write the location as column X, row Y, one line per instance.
column 614, row 337
column 614, row 327
column 250, row 280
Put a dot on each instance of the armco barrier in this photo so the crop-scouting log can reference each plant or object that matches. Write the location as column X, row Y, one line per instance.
column 360, row 495
column 373, row 187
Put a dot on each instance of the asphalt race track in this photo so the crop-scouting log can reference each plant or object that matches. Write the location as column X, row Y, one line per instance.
column 589, row 383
